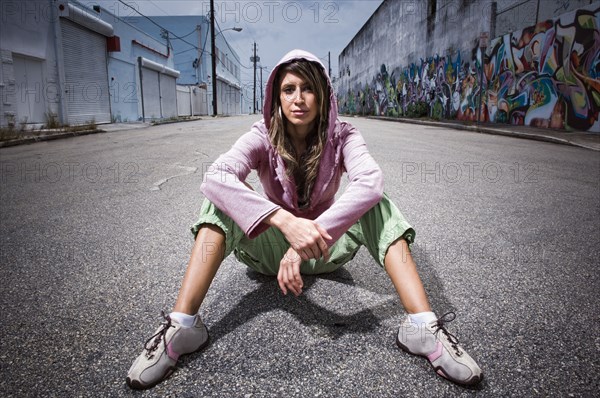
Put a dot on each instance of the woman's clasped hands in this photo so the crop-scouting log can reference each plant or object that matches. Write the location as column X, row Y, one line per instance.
column 307, row 240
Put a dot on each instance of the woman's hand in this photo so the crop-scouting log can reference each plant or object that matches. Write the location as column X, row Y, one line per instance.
column 305, row 236
column 289, row 273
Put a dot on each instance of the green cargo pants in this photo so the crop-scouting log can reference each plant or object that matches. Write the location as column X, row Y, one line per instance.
column 377, row 229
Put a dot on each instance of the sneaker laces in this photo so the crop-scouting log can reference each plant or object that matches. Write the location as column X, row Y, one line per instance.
column 440, row 325
column 158, row 336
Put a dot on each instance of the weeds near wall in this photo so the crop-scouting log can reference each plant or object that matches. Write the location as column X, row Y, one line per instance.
column 90, row 125
column 51, row 120
column 417, row 109
column 8, row 133
column 51, row 128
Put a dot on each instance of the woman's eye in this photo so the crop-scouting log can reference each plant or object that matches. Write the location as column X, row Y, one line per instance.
column 289, row 90
column 307, row 89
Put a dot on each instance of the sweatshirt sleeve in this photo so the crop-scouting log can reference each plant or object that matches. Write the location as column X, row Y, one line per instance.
column 224, row 186
column 365, row 188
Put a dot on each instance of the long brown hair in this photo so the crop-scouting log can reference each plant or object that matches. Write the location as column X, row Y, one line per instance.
column 304, row 169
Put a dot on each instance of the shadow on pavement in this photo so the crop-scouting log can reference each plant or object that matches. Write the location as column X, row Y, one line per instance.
column 267, row 297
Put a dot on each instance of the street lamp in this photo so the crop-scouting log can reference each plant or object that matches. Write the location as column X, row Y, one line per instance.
column 214, row 62
column 225, row 30
column 213, row 53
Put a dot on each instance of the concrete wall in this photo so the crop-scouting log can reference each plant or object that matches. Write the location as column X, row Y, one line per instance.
column 546, row 75
column 514, row 15
column 404, row 32
column 541, row 75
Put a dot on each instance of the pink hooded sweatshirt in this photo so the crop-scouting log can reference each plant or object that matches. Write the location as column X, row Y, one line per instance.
column 345, row 151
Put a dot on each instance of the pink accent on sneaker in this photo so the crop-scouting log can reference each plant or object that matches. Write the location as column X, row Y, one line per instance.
column 441, row 373
column 171, row 353
column 437, row 353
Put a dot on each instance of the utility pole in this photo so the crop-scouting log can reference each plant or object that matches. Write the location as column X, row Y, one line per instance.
column 253, row 59
column 199, row 62
column 261, row 92
column 213, row 50
column 165, row 34
column 329, row 62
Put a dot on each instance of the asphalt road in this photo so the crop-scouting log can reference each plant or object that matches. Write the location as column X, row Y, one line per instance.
column 94, row 242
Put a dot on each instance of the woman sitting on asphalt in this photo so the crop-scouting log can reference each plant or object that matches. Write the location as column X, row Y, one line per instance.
column 300, row 151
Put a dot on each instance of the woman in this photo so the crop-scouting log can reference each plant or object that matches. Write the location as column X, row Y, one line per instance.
column 300, row 151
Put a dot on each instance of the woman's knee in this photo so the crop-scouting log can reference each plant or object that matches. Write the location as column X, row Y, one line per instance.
column 210, row 230
column 210, row 239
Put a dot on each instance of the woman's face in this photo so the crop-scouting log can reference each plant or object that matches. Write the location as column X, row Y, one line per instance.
column 298, row 102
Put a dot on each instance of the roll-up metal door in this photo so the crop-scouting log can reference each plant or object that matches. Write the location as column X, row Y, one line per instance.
column 31, row 93
column 151, row 87
column 159, row 89
column 86, row 75
column 168, row 95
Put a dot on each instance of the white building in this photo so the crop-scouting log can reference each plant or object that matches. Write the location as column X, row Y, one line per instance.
column 62, row 61
column 191, row 43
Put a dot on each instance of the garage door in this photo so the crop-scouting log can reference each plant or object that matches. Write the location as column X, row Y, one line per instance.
column 168, row 97
column 86, row 76
column 31, row 93
column 150, row 84
column 159, row 89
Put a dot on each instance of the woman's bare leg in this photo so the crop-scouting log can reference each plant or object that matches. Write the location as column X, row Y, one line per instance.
column 402, row 270
column 204, row 263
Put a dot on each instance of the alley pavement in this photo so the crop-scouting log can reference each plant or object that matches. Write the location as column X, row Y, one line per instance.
column 581, row 139
column 94, row 239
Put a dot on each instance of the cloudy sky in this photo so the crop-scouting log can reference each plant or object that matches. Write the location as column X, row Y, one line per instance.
column 276, row 26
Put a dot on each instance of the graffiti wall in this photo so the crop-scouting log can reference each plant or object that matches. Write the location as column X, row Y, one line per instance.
column 547, row 75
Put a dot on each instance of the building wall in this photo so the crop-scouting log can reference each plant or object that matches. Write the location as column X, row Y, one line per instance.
column 27, row 31
column 185, row 54
column 30, row 36
column 191, row 101
column 547, row 75
column 542, row 75
column 228, row 62
column 514, row 15
column 123, row 68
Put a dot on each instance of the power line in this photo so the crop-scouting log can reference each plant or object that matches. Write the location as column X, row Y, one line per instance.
column 156, row 5
column 151, row 20
column 193, row 31
column 184, row 51
column 232, row 50
column 181, row 38
column 202, row 51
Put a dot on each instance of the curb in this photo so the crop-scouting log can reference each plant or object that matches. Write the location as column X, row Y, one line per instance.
column 152, row 124
column 49, row 137
column 488, row 130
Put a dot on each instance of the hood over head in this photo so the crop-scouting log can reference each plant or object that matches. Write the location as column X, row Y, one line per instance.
column 292, row 55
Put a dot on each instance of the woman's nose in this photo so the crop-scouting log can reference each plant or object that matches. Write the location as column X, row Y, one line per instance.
column 295, row 96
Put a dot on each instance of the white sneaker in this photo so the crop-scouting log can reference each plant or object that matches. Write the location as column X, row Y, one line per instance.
column 440, row 347
column 161, row 352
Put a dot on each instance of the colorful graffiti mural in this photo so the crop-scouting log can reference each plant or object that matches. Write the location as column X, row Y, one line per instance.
column 547, row 75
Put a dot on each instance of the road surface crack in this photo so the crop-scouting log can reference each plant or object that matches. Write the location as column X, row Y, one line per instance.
column 188, row 170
